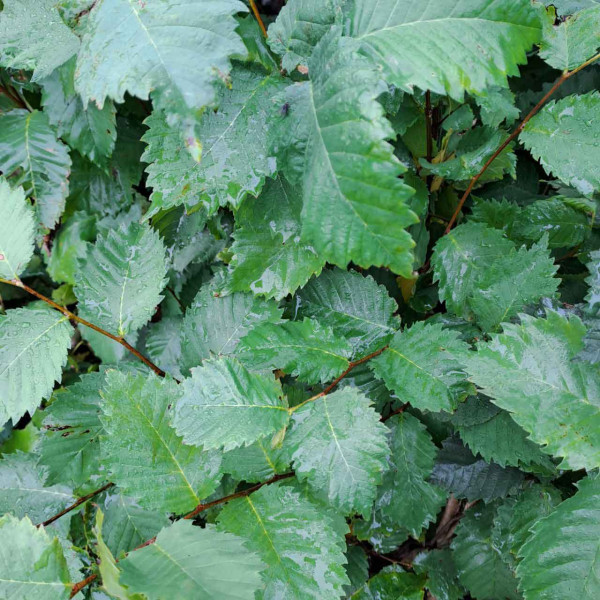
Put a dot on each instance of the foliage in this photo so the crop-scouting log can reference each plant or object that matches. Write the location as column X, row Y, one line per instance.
column 299, row 301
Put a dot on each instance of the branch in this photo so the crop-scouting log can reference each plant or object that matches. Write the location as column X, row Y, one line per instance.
column 257, row 15
column 351, row 365
column 564, row 77
column 73, row 506
column 73, row 317
column 201, row 507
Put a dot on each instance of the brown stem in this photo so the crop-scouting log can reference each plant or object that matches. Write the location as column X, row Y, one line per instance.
column 201, row 507
column 80, row 585
column 399, row 411
column 73, row 506
column 351, row 366
column 429, row 125
column 258, row 18
column 564, row 77
column 73, row 317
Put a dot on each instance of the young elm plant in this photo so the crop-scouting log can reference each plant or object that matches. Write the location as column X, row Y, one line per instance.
column 300, row 302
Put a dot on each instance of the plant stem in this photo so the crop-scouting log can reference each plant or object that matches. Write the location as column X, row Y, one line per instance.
column 334, row 383
column 73, row 506
column 258, row 18
column 564, row 77
column 201, row 507
column 73, row 317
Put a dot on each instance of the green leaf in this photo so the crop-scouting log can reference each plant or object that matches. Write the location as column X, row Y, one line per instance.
column 126, row 525
column 356, row 307
column 17, row 231
column 119, row 284
column 357, row 569
column 298, row 28
column 560, row 558
column 528, row 371
column 515, row 280
column 561, row 136
column 305, row 349
column 90, row 130
column 151, row 49
column 33, row 341
column 593, row 280
column 255, row 463
column 573, row 41
column 70, row 245
column 466, row 476
column 214, row 325
column 423, row 365
column 23, row 489
column 33, row 37
column 392, row 583
column 441, row 572
column 483, row 41
column 517, row 515
column 70, row 446
column 566, row 227
column 339, row 447
column 109, row 572
column 483, row 276
column 497, row 106
column 29, row 146
column 163, row 344
column 492, row 433
column 297, row 540
column 481, row 566
column 332, row 139
column 233, row 159
column 461, row 258
column 271, row 261
column 31, row 564
column 406, row 499
column 223, row 405
column 144, row 455
column 189, row 562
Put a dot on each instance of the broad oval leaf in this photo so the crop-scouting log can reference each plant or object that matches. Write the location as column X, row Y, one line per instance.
column 338, row 446
column 332, row 139
column 153, row 48
column 119, row 283
column 272, row 261
column 29, row 146
column 190, row 562
column 31, row 564
column 17, row 230
column 223, row 405
column 528, row 370
column 484, row 41
column 234, row 160
column 33, row 37
column 423, row 365
column 356, row 307
column 143, row 453
column 70, row 446
column 33, row 341
column 295, row 538
column 305, row 349
column 562, row 137
column 560, row 558
column 298, row 28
